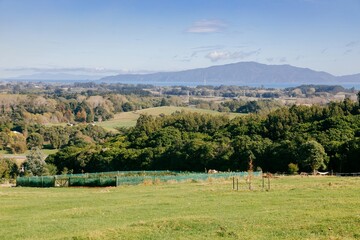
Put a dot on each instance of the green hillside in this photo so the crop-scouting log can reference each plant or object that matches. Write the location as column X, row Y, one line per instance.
column 128, row 119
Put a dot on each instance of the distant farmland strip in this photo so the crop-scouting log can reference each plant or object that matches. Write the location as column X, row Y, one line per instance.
column 128, row 119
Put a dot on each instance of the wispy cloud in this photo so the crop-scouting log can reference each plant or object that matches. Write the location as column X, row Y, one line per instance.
column 207, row 26
column 348, row 51
column 215, row 56
column 353, row 44
column 283, row 59
column 203, row 49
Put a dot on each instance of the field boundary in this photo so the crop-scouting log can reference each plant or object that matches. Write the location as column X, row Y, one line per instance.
column 115, row 179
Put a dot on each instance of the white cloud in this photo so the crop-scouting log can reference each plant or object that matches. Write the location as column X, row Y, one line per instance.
column 225, row 55
column 207, row 26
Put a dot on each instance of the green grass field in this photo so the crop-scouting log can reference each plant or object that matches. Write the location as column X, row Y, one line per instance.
column 128, row 119
column 294, row 208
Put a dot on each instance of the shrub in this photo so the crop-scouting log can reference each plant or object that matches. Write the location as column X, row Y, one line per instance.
column 293, row 168
column 8, row 169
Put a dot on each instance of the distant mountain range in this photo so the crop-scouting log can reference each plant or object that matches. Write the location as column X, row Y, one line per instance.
column 242, row 73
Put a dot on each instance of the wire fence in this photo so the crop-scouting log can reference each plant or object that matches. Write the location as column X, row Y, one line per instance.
column 348, row 174
column 118, row 178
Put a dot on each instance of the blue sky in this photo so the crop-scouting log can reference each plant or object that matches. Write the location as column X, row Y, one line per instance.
column 105, row 37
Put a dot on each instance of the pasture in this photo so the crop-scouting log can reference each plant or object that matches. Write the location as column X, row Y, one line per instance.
column 295, row 208
column 128, row 119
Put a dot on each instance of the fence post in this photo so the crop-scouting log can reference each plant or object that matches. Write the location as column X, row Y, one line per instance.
column 233, row 183
column 268, row 182
column 237, row 184
column 263, row 182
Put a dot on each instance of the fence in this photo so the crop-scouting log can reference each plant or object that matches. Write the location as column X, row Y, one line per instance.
column 43, row 181
column 121, row 178
column 348, row 174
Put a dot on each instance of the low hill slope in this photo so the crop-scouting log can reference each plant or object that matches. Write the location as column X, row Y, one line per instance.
column 128, row 119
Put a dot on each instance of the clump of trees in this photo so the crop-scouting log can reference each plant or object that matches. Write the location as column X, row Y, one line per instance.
column 288, row 139
column 51, row 137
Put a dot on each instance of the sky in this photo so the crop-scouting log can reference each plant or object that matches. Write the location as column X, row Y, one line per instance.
column 106, row 37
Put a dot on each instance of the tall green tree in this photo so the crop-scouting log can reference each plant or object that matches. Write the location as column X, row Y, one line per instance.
column 313, row 155
column 35, row 140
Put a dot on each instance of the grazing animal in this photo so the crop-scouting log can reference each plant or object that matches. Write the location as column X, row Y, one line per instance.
column 212, row 171
column 267, row 175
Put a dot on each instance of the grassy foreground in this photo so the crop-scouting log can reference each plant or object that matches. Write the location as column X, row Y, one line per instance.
column 294, row 208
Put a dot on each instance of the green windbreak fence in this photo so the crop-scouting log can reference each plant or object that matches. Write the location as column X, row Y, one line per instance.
column 43, row 181
column 105, row 179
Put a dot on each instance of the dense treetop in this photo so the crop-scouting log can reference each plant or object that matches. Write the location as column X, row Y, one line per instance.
column 313, row 138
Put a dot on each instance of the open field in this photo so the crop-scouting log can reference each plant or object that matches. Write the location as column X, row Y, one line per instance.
column 294, row 208
column 128, row 119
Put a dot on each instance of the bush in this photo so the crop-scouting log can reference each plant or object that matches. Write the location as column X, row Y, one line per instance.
column 293, row 168
column 8, row 169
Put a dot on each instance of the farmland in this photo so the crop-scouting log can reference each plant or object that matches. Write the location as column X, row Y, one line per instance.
column 294, row 208
column 128, row 119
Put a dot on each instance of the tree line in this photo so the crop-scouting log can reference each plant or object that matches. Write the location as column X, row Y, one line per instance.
column 288, row 139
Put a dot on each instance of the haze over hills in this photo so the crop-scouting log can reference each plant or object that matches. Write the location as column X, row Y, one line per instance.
column 57, row 76
column 242, row 73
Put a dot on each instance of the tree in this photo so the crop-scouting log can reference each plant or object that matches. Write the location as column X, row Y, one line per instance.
column 35, row 162
column 313, row 155
column 4, row 139
column 17, row 142
column 57, row 136
column 350, row 161
column 127, row 107
column 81, row 115
column 8, row 168
column 35, row 140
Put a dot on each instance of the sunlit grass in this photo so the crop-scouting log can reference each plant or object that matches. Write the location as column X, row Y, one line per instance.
column 294, row 208
column 128, row 119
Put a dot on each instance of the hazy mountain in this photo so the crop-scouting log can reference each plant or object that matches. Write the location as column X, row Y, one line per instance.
column 242, row 73
column 350, row 78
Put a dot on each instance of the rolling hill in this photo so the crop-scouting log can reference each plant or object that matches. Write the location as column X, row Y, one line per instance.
column 128, row 119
